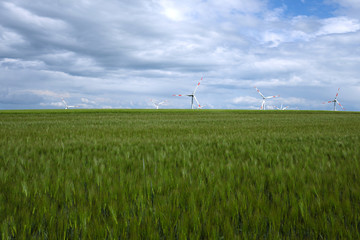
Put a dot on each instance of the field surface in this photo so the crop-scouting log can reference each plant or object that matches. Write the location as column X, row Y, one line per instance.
column 179, row 174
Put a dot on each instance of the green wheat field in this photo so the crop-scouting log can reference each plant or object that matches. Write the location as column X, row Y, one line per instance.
column 179, row 174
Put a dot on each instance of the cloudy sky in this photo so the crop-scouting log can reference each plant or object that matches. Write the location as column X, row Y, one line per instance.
column 121, row 53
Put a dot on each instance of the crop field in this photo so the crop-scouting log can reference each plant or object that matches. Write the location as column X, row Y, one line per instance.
column 179, row 174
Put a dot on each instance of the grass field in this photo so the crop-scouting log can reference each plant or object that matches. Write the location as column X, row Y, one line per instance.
column 179, row 174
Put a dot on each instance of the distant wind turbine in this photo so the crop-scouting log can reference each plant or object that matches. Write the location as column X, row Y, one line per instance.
column 67, row 106
column 281, row 107
column 335, row 101
column 156, row 103
column 264, row 98
column 192, row 95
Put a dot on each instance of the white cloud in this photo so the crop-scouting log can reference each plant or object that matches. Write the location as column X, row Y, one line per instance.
column 338, row 25
column 10, row 40
column 53, row 104
column 88, row 52
column 246, row 100
column 12, row 63
column 293, row 101
column 34, row 20
column 355, row 4
column 88, row 102
column 238, row 5
column 277, row 65
column 349, row 8
column 47, row 93
column 51, row 29
column 273, row 39
column 274, row 15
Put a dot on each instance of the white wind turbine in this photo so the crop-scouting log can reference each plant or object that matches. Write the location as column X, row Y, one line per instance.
column 335, row 101
column 192, row 95
column 264, row 98
column 67, row 106
column 281, row 107
column 157, row 104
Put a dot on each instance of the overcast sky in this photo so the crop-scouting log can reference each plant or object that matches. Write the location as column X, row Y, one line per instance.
column 122, row 53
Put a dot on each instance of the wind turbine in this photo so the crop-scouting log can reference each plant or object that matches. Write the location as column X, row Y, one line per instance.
column 67, row 106
column 335, row 101
column 192, row 95
column 281, row 107
column 264, row 98
column 156, row 103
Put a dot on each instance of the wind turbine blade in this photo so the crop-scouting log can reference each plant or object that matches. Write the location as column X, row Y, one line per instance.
column 162, row 102
column 340, row 104
column 153, row 102
column 337, row 94
column 179, row 95
column 197, row 85
column 259, row 92
column 327, row 102
column 63, row 100
column 198, row 104
column 273, row 96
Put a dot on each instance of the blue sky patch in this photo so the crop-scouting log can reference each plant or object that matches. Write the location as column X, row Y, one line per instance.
column 304, row 7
